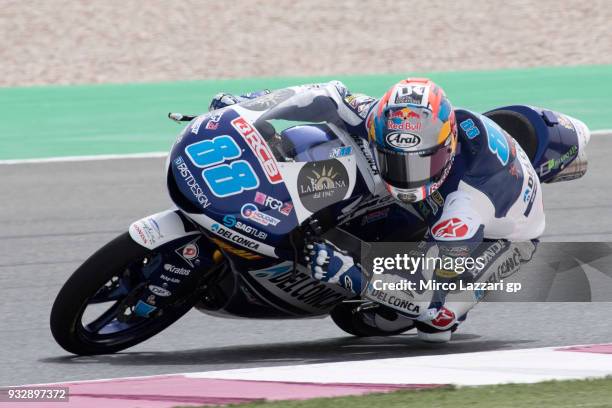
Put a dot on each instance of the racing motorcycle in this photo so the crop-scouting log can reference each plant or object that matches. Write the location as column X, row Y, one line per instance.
column 251, row 183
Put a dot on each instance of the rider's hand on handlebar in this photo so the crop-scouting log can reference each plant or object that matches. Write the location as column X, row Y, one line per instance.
column 329, row 264
column 221, row 100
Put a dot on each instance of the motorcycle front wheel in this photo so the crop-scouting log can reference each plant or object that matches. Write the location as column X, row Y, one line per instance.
column 109, row 281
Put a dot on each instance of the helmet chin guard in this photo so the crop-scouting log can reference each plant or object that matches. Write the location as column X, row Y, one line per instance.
column 413, row 195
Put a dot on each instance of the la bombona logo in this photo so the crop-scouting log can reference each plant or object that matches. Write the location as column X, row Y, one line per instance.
column 322, row 183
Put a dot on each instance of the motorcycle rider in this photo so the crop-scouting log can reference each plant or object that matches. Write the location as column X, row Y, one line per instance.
column 471, row 182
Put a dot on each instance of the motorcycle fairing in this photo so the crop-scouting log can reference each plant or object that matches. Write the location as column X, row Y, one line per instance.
column 554, row 142
column 298, row 191
column 236, row 214
column 276, row 291
column 243, row 218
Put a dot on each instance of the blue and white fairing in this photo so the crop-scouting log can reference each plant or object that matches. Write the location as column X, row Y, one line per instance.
column 555, row 142
column 249, row 179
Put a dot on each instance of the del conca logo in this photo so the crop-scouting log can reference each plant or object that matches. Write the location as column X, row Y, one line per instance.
column 322, row 183
column 403, row 140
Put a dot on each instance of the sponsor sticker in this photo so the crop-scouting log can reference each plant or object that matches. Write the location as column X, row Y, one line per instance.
column 250, row 211
column 234, row 237
column 141, row 234
column 159, row 291
column 299, row 288
column 410, row 94
column 231, row 222
column 359, row 103
column 367, row 153
column 559, row 163
column 273, row 203
column 197, row 123
column 213, row 122
column 191, row 182
column 404, row 119
column 451, row 228
column 322, row 183
column 169, row 279
column 181, row 271
column 341, row 151
column 444, row 318
column 403, row 141
column 437, row 197
column 260, row 148
column 399, row 300
column 148, row 231
column 375, row 216
column 188, row 252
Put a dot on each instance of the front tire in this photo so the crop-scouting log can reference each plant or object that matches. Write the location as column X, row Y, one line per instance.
column 109, row 264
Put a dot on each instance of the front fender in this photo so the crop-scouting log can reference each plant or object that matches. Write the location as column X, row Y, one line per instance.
column 158, row 229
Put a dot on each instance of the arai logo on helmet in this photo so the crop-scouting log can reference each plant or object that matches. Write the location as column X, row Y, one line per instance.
column 403, row 140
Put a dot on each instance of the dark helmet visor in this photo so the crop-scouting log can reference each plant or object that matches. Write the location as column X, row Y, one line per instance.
column 408, row 170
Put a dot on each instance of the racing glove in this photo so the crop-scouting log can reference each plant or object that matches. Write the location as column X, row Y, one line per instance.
column 329, row 264
column 221, row 100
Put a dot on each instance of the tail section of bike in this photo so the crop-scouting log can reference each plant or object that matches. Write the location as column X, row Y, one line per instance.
column 554, row 142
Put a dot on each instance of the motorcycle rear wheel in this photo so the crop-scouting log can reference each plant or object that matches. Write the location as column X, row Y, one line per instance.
column 105, row 266
column 349, row 319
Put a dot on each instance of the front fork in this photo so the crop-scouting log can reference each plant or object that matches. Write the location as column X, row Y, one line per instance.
column 180, row 254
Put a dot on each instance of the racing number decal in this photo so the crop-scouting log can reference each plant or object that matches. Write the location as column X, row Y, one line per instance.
column 470, row 128
column 214, row 151
column 230, row 179
column 223, row 180
column 497, row 141
column 498, row 144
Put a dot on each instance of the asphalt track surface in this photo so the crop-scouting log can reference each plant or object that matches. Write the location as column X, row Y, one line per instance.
column 54, row 215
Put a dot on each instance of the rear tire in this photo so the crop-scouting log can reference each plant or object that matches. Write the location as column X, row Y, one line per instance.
column 70, row 304
column 347, row 318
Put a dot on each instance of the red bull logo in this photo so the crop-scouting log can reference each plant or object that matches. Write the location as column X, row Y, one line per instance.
column 404, row 114
column 404, row 119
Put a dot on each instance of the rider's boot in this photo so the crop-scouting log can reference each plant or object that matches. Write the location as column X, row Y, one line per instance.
column 430, row 335
column 438, row 325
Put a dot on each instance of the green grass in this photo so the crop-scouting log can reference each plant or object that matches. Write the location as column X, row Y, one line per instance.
column 553, row 394
column 130, row 118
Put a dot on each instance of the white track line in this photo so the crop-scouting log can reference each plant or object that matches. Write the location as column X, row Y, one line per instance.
column 475, row 368
column 87, row 158
column 150, row 155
